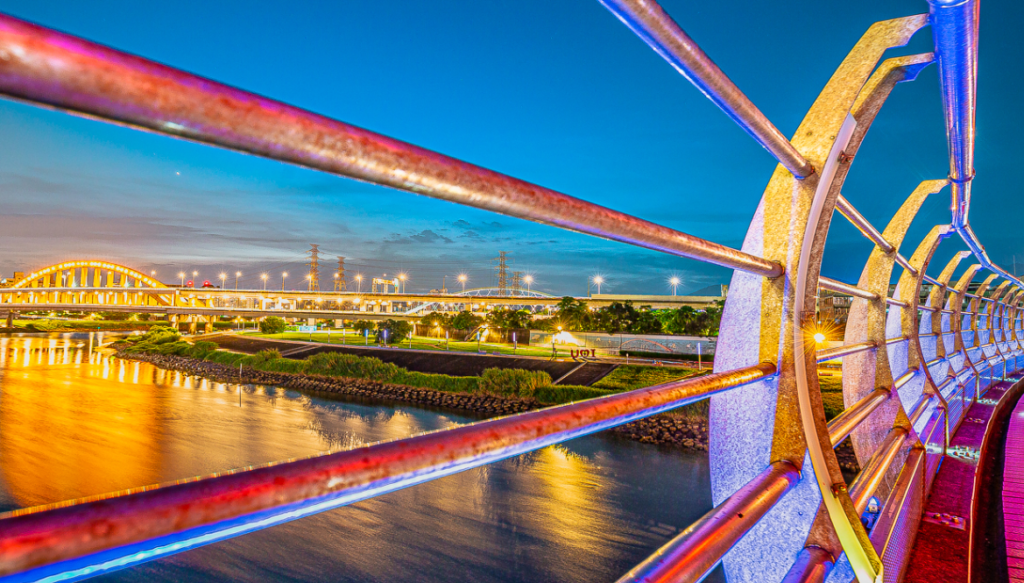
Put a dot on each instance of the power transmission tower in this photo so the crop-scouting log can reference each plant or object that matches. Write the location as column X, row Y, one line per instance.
column 517, row 283
column 314, row 267
column 339, row 279
column 502, row 269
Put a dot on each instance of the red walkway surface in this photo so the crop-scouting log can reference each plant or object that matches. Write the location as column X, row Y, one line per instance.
column 1013, row 494
column 940, row 550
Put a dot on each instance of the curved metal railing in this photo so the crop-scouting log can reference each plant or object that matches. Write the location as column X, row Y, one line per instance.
column 912, row 361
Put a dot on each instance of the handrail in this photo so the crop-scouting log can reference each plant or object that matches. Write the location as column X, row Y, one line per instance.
column 696, row 550
column 58, row 70
column 845, row 288
column 862, row 224
column 843, row 424
column 652, row 24
column 144, row 523
column 845, row 350
column 955, row 32
column 867, row 481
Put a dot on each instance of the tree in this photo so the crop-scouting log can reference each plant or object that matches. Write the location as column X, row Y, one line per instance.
column 393, row 331
column 466, row 321
column 434, row 319
column 364, row 326
column 506, row 319
column 617, row 317
column 646, row 323
column 573, row 313
column 273, row 325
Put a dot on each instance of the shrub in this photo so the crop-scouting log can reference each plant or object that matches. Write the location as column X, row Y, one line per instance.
column 273, row 325
column 393, row 331
column 513, row 381
column 558, row 394
column 180, row 348
column 363, row 326
column 45, row 325
column 202, row 348
column 267, row 355
column 350, row 365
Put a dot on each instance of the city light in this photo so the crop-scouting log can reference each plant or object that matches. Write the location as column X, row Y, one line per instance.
column 264, row 278
column 462, row 280
column 223, row 277
column 181, row 274
column 283, row 275
column 819, row 337
column 674, row 282
column 528, row 280
column 359, row 280
column 401, row 278
column 598, row 280
column 237, row 274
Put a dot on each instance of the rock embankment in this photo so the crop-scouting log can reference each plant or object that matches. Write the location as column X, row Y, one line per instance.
column 664, row 429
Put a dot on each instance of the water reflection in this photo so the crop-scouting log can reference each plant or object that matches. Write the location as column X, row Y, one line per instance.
column 76, row 422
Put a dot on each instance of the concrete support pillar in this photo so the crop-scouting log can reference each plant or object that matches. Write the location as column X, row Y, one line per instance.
column 10, row 319
column 110, row 278
column 311, row 321
column 192, row 325
column 209, row 324
column 96, row 281
column 339, row 323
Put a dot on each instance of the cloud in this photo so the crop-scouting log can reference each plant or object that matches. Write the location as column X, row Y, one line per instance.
column 424, row 237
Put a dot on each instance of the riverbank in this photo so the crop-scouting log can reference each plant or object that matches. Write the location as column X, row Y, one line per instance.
column 666, row 429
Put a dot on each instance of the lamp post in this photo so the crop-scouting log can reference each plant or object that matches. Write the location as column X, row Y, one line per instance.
column 223, row 277
column 598, row 280
column 181, row 274
column 264, row 278
column 237, row 274
column 401, row 278
column 195, row 275
column 462, row 280
column 529, row 281
column 675, row 283
column 359, row 280
column 283, row 275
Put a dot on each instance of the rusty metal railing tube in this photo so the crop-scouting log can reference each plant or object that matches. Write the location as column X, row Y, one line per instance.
column 695, row 551
column 871, row 475
column 58, row 70
column 150, row 522
column 862, row 224
column 845, row 350
column 650, row 22
column 812, row 565
column 841, row 427
column 845, row 288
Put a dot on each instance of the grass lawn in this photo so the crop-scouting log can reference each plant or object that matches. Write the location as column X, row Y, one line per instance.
column 630, row 376
column 831, row 395
column 418, row 343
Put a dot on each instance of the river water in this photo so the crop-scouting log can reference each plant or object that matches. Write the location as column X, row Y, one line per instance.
column 76, row 422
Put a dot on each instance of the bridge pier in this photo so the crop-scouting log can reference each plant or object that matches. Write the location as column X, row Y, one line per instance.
column 208, row 326
column 10, row 320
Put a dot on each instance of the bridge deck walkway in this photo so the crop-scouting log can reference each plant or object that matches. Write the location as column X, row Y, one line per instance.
column 940, row 553
column 1013, row 494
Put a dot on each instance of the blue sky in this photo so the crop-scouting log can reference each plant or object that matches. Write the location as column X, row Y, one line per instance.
column 556, row 92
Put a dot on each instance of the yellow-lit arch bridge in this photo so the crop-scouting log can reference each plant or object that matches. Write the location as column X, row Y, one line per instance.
column 102, row 286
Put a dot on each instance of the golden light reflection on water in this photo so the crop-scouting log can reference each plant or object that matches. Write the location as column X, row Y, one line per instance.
column 67, row 429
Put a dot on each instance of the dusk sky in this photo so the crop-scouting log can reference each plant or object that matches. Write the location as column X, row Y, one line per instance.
column 556, row 92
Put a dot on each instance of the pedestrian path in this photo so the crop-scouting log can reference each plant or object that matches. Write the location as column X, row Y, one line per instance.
column 1013, row 494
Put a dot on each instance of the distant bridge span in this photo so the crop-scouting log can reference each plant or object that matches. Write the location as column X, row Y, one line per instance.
column 102, row 286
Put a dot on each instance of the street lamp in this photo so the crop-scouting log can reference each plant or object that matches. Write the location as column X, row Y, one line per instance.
column 819, row 337
column 195, row 275
column 462, row 280
column 223, row 277
column 359, row 281
column 401, row 278
column 264, row 278
column 598, row 280
column 283, row 275
column 529, row 281
column 237, row 274
column 675, row 283
column 181, row 274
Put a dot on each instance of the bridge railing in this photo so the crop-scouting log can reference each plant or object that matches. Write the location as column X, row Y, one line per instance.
column 911, row 367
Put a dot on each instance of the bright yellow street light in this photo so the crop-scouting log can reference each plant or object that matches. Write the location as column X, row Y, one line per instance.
column 359, row 280
column 529, row 281
column 675, row 283
column 819, row 337
column 283, row 275
column 264, row 278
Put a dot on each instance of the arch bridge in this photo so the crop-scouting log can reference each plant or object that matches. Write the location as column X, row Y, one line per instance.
column 916, row 362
